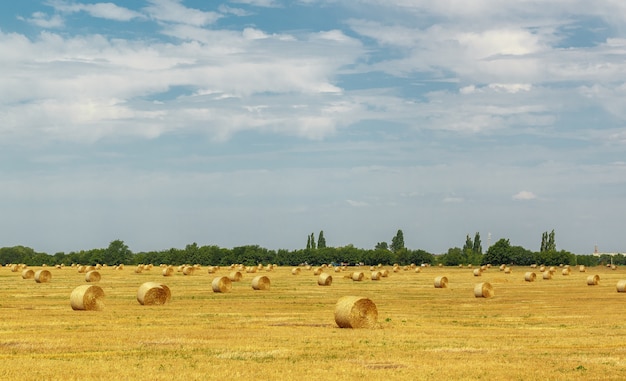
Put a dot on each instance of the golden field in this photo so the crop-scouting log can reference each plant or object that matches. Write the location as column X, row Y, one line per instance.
column 557, row 329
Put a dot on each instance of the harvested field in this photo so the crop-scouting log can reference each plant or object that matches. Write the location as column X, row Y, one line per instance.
column 536, row 328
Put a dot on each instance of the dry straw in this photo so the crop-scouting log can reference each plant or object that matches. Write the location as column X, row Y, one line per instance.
column 582, row 268
column 188, row 270
column 211, row 269
column 477, row 272
column 418, row 269
column 295, row 271
column 530, row 276
column 235, row 276
column 547, row 275
column 317, row 271
column 565, row 271
column 507, row 270
column 384, row 273
column 167, row 271
column 355, row 312
column 483, row 290
column 43, row 276
column 357, row 276
column 153, row 293
column 92, row 276
column 87, row 297
column 221, row 284
column 593, row 280
column 261, row 282
column 325, row 279
column 621, row 286
column 28, row 274
column 441, row 282
column 376, row 275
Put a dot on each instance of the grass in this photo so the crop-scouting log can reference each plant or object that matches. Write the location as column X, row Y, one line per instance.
column 558, row 329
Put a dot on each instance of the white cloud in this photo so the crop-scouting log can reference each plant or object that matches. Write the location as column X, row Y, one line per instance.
column 357, row 204
column 100, row 10
column 44, row 20
column 524, row 195
column 174, row 11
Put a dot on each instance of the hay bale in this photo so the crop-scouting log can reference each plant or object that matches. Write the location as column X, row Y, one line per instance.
column 92, row 276
column 593, row 280
column 211, row 269
column 418, row 270
column 542, row 268
column 483, row 290
column 167, row 271
column 507, row 270
column 261, row 282
column 235, row 276
column 87, row 297
column 384, row 273
column 221, row 284
column 357, row 276
column 43, row 276
column 621, row 286
column 337, row 269
column 355, row 312
column 547, row 275
column 565, row 271
column 295, row 271
column 324, row 279
column 477, row 272
column 582, row 268
column 81, row 269
column 317, row 271
column 376, row 275
column 441, row 282
column 153, row 293
column 188, row 270
column 530, row 276
column 28, row 274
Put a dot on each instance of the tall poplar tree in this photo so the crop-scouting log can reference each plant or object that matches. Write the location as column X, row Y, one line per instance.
column 321, row 241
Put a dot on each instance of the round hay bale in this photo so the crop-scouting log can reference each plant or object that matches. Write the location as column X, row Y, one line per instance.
column 153, row 293
column 211, row 269
column 81, row 269
column 43, row 276
column 384, row 273
column 325, row 279
column 235, row 276
column 593, row 280
column 188, row 270
column 87, row 297
column 261, row 282
column 376, row 275
column 317, row 271
column 357, row 276
column 477, row 272
column 355, row 312
column 441, row 282
column 507, row 270
column 222, row 284
column 295, row 271
column 89, row 268
column 542, row 268
column 530, row 276
column 565, row 271
column 483, row 290
column 418, row 270
column 502, row 267
column 621, row 286
column 547, row 275
column 337, row 269
column 582, row 268
column 92, row 276
column 167, row 271
column 28, row 274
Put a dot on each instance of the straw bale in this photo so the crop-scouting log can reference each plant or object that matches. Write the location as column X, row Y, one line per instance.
column 235, row 276
column 582, row 268
column 418, row 270
column 441, row 282
column 317, row 271
column 376, row 275
column 28, row 274
column 221, row 284
column 153, row 293
column 621, row 286
column 355, row 312
column 547, row 275
column 530, row 276
column 261, row 282
column 384, row 273
column 357, row 276
column 477, row 272
column 295, row 271
column 87, row 297
column 43, row 276
column 324, row 279
column 565, row 271
column 92, row 276
column 167, row 271
column 483, row 290
column 593, row 280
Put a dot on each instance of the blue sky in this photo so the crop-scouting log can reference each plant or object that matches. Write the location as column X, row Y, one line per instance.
column 167, row 122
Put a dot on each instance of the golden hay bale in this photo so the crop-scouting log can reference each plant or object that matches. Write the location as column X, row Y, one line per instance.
column 211, row 269
column 295, row 271
column 28, row 274
column 188, row 270
column 613, row 267
column 324, row 279
column 542, row 268
column 167, row 271
column 552, row 269
column 221, row 284
column 92, row 276
column 357, row 276
column 337, row 269
column 507, row 270
column 593, row 280
column 441, row 282
column 81, row 269
column 261, row 282
column 547, row 275
column 376, row 275
column 251, row 269
column 582, row 268
column 153, row 293
column 565, row 271
column 138, row 269
column 87, row 297
column 483, row 290
column 502, row 267
column 43, row 276
column 317, row 271
column 89, row 268
column 235, row 276
column 355, row 312
column 621, row 286
column 530, row 276
column 477, row 272
column 418, row 270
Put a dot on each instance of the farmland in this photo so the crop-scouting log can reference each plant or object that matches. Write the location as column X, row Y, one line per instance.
column 553, row 329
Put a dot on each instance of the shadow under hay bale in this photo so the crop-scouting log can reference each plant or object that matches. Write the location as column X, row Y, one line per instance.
column 153, row 293
column 92, row 276
column 261, row 282
column 355, row 312
column 222, row 284
column 43, row 276
column 325, row 279
column 441, row 282
column 87, row 297
column 483, row 290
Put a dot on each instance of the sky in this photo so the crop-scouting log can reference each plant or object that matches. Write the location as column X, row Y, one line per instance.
column 229, row 123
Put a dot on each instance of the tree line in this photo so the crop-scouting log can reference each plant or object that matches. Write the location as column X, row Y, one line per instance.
column 316, row 252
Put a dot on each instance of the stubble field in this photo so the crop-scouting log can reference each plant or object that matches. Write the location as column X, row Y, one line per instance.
column 557, row 329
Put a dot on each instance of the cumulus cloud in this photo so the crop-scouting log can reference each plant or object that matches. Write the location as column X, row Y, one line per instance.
column 44, row 20
column 100, row 10
column 524, row 195
column 174, row 11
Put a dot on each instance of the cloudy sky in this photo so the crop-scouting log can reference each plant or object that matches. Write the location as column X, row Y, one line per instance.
column 167, row 122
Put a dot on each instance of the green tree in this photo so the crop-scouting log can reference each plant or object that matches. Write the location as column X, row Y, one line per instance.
column 381, row 246
column 321, row 241
column 478, row 247
column 397, row 243
column 498, row 253
column 117, row 253
column 312, row 241
column 308, row 242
